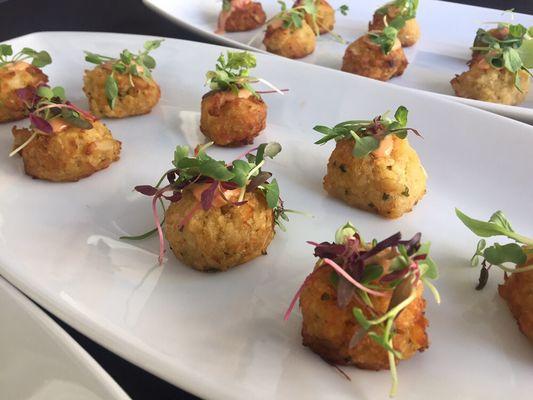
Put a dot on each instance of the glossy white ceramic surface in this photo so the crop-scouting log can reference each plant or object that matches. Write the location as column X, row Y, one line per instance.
column 448, row 30
column 40, row 361
column 222, row 336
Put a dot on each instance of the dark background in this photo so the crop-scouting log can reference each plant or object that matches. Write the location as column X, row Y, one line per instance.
column 19, row 17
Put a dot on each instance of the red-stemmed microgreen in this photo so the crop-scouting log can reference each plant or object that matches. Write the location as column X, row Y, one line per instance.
column 46, row 104
column 232, row 72
column 128, row 63
column 497, row 254
column 38, row 58
column 357, row 276
column 367, row 134
column 511, row 49
column 244, row 174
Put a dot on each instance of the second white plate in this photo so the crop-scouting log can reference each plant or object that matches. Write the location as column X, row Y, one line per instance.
column 448, row 30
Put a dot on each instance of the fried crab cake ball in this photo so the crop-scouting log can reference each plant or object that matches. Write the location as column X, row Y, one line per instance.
column 69, row 153
column 366, row 58
column 328, row 329
column 15, row 76
column 408, row 34
column 240, row 16
column 222, row 237
column 486, row 83
column 136, row 95
column 232, row 119
column 324, row 22
column 389, row 182
column 517, row 291
column 289, row 42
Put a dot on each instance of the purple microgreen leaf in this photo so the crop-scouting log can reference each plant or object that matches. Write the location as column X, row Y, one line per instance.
column 258, row 180
column 208, row 195
column 41, row 124
column 147, row 190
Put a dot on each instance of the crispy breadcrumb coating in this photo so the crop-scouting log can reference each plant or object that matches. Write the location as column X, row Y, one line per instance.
column 136, row 95
column 328, row 329
column 365, row 58
column 290, row 43
column 486, row 83
column 517, row 291
column 390, row 185
column 69, row 155
column 231, row 119
column 222, row 237
column 15, row 76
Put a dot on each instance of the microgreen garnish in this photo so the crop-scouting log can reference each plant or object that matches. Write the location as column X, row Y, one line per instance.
column 46, row 104
column 232, row 72
column 344, row 9
column 357, row 278
column 140, row 64
column 293, row 18
column 245, row 176
column 367, row 134
column 497, row 254
column 38, row 58
column 407, row 10
column 385, row 39
column 512, row 49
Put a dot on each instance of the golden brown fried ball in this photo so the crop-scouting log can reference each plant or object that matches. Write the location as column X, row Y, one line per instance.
column 15, row 76
column 245, row 18
column 328, row 329
column 389, row 185
column 288, row 42
column 222, row 237
column 408, row 35
column 363, row 57
column 517, row 291
column 486, row 83
column 133, row 99
column 232, row 119
column 325, row 17
column 68, row 155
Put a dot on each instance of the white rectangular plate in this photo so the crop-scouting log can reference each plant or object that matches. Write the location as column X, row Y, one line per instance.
column 40, row 361
column 448, row 30
column 222, row 336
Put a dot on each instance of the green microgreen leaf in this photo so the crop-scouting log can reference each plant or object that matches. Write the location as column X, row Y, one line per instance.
column 111, row 90
column 364, row 145
column 344, row 232
column 344, row 9
column 496, row 254
column 371, row 273
column 180, row 153
column 272, row 193
column 385, row 39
